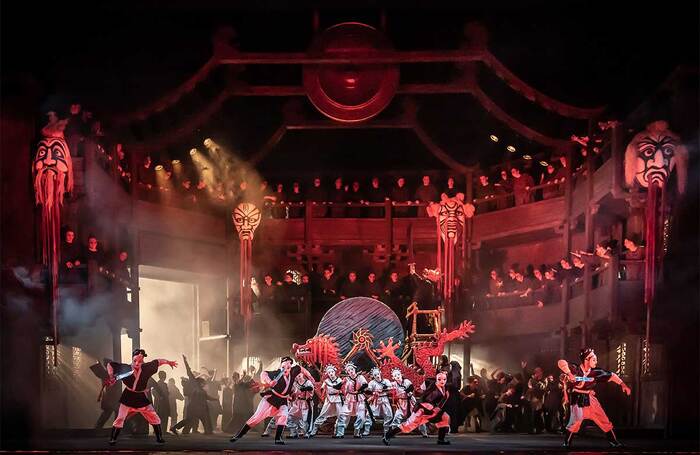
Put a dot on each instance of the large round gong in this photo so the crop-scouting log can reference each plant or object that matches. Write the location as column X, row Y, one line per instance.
column 351, row 315
column 350, row 93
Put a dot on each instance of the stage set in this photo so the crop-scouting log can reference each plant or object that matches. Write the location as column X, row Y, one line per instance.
column 350, row 228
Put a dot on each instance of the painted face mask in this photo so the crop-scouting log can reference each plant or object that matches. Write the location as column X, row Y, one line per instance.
column 396, row 375
column 451, row 213
column 53, row 171
column 246, row 218
column 653, row 154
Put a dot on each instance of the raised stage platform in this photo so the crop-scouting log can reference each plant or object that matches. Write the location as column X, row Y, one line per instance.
column 483, row 443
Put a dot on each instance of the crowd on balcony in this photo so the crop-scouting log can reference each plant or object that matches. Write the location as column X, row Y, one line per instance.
column 542, row 285
column 181, row 183
column 292, row 291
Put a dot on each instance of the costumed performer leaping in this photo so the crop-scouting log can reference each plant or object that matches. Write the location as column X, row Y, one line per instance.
column 584, row 404
column 134, row 399
column 279, row 384
column 429, row 410
column 405, row 400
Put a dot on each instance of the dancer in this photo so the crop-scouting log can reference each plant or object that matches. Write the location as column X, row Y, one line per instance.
column 134, row 398
column 584, row 404
column 333, row 402
column 405, row 400
column 378, row 401
column 274, row 403
column 429, row 410
column 355, row 405
column 302, row 407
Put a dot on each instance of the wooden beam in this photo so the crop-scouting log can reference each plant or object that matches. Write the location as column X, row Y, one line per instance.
column 331, row 125
column 372, row 57
column 298, row 90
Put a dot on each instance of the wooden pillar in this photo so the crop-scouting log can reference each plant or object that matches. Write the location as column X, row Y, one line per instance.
column 468, row 229
column 568, row 197
column 231, row 314
column 308, row 211
column 389, row 227
column 590, row 238
column 135, row 256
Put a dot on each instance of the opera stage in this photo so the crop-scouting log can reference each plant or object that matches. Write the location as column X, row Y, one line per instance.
column 461, row 443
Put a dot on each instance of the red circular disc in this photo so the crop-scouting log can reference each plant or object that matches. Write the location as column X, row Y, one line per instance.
column 350, row 93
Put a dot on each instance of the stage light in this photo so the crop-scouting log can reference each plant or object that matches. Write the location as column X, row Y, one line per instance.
column 208, row 142
column 159, row 167
column 544, row 163
column 527, row 157
column 511, row 149
column 176, row 162
column 193, row 152
column 494, row 138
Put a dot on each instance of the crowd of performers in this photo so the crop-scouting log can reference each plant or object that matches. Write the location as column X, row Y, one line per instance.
column 288, row 393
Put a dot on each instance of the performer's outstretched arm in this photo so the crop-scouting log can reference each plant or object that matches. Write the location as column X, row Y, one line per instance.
column 616, row 379
column 189, row 370
column 171, row 363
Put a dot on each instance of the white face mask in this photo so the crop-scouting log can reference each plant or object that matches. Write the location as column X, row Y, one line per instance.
column 396, row 376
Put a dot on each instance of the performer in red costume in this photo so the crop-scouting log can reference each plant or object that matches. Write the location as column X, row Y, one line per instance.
column 429, row 410
column 134, row 398
column 275, row 399
column 584, row 404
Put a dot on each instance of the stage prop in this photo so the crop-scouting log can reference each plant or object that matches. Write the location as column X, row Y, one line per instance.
column 357, row 324
column 650, row 158
column 53, row 178
column 246, row 217
column 369, row 333
column 350, row 92
column 450, row 215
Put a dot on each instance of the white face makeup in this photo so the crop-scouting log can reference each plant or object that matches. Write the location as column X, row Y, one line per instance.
column 441, row 379
column 396, row 375
column 350, row 369
column 376, row 374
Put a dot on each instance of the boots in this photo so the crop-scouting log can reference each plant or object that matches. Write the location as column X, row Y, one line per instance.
column 568, row 439
column 114, row 435
column 244, row 429
column 612, row 439
column 442, row 432
column 390, row 434
column 278, row 435
column 159, row 434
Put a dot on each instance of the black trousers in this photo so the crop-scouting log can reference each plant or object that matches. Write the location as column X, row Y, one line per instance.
column 192, row 421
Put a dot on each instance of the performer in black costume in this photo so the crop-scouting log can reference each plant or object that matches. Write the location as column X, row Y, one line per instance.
column 584, row 404
column 429, row 410
column 279, row 384
column 134, row 398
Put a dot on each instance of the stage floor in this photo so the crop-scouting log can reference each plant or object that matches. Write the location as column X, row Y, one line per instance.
column 473, row 443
